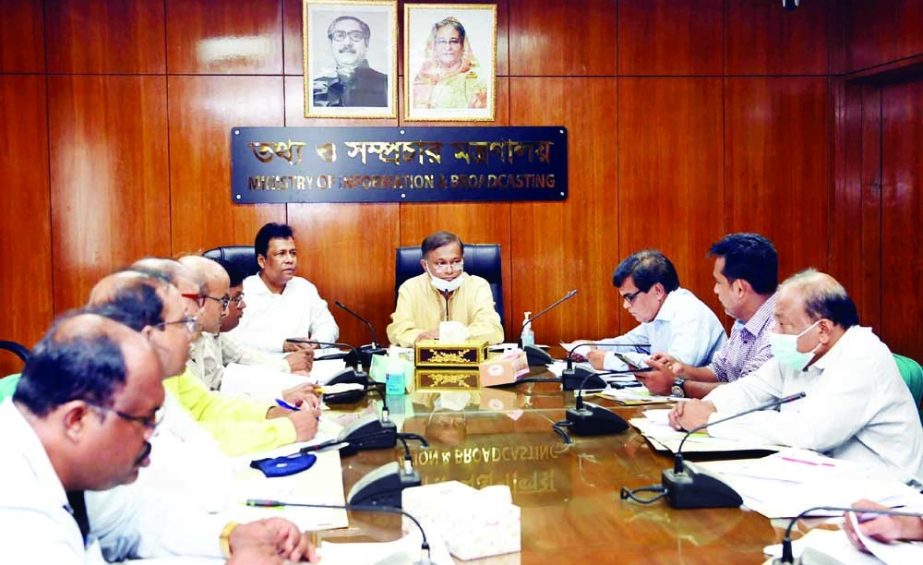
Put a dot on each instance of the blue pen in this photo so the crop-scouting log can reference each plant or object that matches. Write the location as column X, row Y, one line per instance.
column 287, row 406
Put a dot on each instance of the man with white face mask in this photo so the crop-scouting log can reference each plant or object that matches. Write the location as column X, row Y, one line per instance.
column 444, row 292
column 857, row 406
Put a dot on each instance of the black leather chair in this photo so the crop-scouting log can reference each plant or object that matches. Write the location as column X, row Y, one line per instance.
column 17, row 349
column 481, row 259
column 241, row 256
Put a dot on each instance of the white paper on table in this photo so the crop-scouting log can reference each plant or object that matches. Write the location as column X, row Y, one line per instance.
column 636, row 395
column 658, row 415
column 397, row 552
column 897, row 553
column 830, row 544
column 325, row 369
column 662, row 434
column 321, row 484
column 257, row 382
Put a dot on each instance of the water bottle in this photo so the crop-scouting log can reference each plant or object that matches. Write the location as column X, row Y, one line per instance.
column 394, row 374
column 528, row 336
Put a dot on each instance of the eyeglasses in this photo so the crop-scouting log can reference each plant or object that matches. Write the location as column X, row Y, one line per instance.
column 355, row 35
column 446, row 267
column 224, row 300
column 189, row 322
column 630, row 298
column 199, row 299
column 453, row 42
column 238, row 299
column 148, row 422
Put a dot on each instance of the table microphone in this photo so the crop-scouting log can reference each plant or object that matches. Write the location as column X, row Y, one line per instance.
column 348, row 375
column 573, row 378
column 787, row 553
column 424, row 547
column 535, row 355
column 685, row 488
column 365, row 351
column 587, row 419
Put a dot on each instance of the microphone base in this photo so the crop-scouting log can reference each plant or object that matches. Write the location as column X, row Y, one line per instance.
column 367, row 351
column 536, row 356
column 573, row 379
column 368, row 433
column 383, row 486
column 689, row 489
column 593, row 420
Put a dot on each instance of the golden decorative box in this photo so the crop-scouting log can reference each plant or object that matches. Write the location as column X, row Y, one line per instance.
column 434, row 353
column 447, row 379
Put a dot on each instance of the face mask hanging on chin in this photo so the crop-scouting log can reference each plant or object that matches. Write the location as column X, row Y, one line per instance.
column 785, row 349
column 443, row 285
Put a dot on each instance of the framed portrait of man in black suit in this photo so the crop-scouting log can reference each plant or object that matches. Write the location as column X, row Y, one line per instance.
column 350, row 58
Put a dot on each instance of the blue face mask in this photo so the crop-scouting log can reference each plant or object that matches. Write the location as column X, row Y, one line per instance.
column 785, row 349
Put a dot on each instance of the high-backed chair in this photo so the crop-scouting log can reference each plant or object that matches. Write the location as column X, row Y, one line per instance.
column 912, row 374
column 241, row 256
column 481, row 259
column 8, row 383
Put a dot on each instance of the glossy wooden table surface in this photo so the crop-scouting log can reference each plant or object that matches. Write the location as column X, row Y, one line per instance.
column 569, row 494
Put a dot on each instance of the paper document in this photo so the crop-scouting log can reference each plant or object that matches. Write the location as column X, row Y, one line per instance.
column 825, row 546
column 635, row 396
column 400, row 551
column 257, row 382
column 898, row 553
column 664, row 438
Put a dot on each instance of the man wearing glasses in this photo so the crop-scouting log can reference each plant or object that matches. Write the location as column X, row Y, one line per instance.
column 444, row 292
column 206, row 359
column 672, row 320
column 353, row 82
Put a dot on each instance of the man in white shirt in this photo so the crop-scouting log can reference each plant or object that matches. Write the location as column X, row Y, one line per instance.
column 81, row 419
column 673, row 321
column 281, row 305
column 857, row 405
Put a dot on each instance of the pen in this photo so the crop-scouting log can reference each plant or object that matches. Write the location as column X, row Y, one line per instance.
column 812, row 463
column 287, row 406
column 868, row 516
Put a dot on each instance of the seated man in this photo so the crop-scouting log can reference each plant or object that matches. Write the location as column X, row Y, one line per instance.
column 746, row 275
column 857, row 406
column 443, row 292
column 281, row 305
column 206, row 359
column 673, row 320
column 239, row 426
column 81, row 417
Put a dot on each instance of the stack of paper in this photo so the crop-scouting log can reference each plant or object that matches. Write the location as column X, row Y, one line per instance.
column 263, row 384
column 656, row 428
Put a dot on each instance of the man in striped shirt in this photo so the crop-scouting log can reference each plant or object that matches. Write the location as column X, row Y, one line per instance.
column 746, row 275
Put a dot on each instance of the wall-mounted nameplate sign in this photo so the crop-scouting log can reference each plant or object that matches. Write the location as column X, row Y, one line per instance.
column 393, row 164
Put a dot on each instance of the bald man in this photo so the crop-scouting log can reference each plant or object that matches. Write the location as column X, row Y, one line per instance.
column 857, row 406
column 206, row 359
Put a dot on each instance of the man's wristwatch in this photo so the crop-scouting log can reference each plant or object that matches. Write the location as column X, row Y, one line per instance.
column 678, row 390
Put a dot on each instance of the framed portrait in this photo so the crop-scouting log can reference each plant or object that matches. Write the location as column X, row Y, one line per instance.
column 450, row 62
column 350, row 58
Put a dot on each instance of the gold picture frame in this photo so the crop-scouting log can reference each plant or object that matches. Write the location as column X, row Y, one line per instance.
column 350, row 58
column 450, row 62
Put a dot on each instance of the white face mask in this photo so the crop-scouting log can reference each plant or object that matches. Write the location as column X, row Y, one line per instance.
column 785, row 349
column 443, row 285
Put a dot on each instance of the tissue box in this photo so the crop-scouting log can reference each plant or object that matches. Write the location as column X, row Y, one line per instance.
column 504, row 369
column 474, row 523
column 435, row 353
column 451, row 379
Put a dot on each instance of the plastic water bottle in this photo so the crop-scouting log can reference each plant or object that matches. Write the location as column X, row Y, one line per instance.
column 394, row 374
column 527, row 337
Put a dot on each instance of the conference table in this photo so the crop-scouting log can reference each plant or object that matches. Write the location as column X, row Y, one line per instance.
column 568, row 494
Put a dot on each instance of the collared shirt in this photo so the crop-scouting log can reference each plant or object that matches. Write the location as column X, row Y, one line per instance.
column 209, row 355
column 684, row 327
column 420, row 307
column 747, row 348
column 857, row 406
column 270, row 319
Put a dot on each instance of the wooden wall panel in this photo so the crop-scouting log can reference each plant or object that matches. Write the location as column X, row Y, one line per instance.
column 777, row 165
column 574, row 38
column 347, row 250
column 765, row 39
column 100, row 36
column 109, row 193
column 573, row 244
column 25, row 224
column 870, row 179
column 882, row 31
column 670, row 37
column 671, row 185
column 901, row 217
column 202, row 112
column 22, row 29
column 292, row 37
column 216, row 37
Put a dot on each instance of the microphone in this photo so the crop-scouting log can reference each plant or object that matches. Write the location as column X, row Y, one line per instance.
column 424, row 547
column 587, row 419
column 535, row 355
column 788, row 555
column 572, row 376
column 686, row 489
column 365, row 351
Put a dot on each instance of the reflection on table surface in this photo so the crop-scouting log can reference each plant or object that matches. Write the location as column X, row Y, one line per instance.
column 569, row 494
